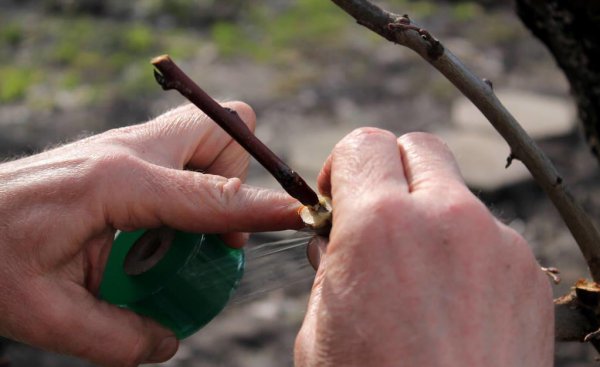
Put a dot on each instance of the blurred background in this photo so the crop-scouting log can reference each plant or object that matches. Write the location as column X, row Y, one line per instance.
column 73, row 68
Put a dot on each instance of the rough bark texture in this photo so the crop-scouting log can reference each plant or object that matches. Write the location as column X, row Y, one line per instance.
column 572, row 321
column 571, row 31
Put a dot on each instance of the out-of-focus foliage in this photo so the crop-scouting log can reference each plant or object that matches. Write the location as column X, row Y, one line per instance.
column 14, row 82
column 270, row 33
column 98, row 50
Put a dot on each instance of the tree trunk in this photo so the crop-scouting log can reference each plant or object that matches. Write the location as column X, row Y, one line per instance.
column 571, row 31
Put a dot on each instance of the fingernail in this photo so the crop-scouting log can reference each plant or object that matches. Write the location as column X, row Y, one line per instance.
column 165, row 350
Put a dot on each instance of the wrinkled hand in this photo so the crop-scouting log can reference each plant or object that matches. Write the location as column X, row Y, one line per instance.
column 417, row 271
column 59, row 211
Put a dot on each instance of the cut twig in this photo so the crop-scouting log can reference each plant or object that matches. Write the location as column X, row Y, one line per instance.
column 399, row 29
column 172, row 77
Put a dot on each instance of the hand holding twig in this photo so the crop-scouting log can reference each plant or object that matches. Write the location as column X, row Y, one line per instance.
column 172, row 77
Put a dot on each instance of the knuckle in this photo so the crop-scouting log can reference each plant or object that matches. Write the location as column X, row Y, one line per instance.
column 124, row 136
column 368, row 133
column 180, row 119
column 361, row 137
column 175, row 113
column 426, row 140
column 421, row 137
column 140, row 137
column 116, row 161
column 227, row 189
column 173, row 122
column 381, row 204
column 115, row 169
column 378, row 207
column 463, row 207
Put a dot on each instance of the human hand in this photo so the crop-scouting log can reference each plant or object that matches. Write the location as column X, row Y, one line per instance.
column 59, row 211
column 417, row 271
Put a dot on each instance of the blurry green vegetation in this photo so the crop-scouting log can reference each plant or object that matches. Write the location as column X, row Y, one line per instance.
column 417, row 9
column 267, row 35
column 497, row 33
column 100, row 50
column 460, row 11
column 303, row 26
column 14, row 82
column 104, row 46
column 11, row 34
column 230, row 38
column 65, row 52
column 423, row 9
column 466, row 11
column 138, row 38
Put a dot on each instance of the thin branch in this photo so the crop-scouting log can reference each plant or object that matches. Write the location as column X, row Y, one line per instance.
column 172, row 77
column 399, row 29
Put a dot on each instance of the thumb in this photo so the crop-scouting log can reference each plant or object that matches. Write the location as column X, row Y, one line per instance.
column 99, row 332
column 315, row 250
column 193, row 201
column 307, row 336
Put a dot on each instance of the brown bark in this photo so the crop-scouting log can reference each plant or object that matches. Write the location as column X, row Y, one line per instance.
column 573, row 322
column 571, row 31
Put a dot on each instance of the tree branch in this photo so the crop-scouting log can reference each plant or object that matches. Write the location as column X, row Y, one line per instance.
column 572, row 322
column 576, row 314
column 172, row 77
column 399, row 29
column 571, row 31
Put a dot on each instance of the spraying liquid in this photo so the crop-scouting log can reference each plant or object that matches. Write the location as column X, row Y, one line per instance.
column 183, row 280
column 274, row 265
